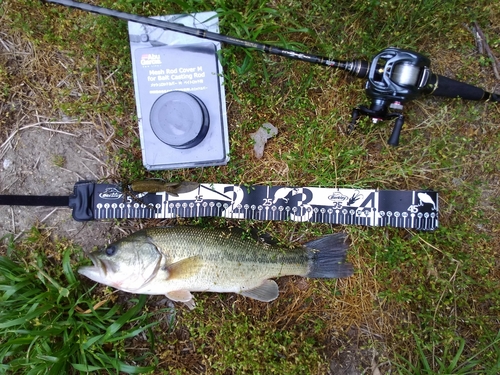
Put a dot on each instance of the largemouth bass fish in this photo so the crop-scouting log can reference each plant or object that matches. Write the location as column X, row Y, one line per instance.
column 176, row 261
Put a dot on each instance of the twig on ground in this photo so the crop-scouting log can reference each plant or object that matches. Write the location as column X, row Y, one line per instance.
column 477, row 39
column 36, row 163
column 90, row 170
column 100, row 82
column 39, row 125
column 484, row 48
column 91, row 155
column 70, row 171
column 12, row 183
column 13, row 220
column 49, row 214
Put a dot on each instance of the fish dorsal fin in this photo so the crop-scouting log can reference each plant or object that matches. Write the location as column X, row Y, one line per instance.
column 184, row 268
column 266, row 292
column 184, row 296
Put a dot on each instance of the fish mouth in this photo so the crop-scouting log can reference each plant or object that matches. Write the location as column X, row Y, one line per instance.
column 97, row 271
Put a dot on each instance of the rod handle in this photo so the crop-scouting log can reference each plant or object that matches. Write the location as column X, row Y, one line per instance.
column 450, row 88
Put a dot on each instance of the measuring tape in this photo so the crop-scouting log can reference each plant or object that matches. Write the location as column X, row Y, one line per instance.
column 415, row 209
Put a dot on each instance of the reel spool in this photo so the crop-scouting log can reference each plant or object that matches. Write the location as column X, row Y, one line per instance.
column 395, row 77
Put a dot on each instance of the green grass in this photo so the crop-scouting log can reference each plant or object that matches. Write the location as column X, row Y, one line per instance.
column 51, row 324
column 427, row 302
column 232, row 341
column 448, row 362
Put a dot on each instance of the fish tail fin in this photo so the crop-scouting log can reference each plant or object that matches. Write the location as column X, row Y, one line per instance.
column 327, row 257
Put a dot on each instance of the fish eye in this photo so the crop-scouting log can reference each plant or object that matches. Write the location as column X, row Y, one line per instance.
column 110, row 250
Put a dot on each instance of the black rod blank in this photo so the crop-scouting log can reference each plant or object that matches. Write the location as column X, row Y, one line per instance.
column 356, row 68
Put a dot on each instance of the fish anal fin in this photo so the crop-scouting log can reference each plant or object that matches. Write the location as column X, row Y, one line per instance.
column 184, row 268
column 183, row 296
column 266, row 292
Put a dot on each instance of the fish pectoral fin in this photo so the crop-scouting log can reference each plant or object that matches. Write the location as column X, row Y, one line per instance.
column 266, row 292
column 184, row 268
column 183, row 296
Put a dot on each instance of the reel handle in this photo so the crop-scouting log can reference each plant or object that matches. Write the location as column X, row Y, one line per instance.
column 450, row 88
column 394, row 138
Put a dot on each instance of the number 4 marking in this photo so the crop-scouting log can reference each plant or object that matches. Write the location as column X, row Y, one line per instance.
column 369, row 201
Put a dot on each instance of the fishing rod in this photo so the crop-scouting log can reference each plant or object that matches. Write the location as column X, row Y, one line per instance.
column 394, row 76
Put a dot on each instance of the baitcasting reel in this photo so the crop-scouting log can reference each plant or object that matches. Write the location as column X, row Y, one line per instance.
column 395, row 77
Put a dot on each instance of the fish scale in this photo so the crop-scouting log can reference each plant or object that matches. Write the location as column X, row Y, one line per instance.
column 176, row 261
column 229, row 259
column 212, row 243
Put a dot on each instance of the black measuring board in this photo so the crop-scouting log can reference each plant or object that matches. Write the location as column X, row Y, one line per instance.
column 413, row 209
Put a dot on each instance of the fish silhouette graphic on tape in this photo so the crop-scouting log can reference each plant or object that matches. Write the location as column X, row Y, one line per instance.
column 423, row 198
column 285, row 193
column 426, row 198
column 175, row 261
